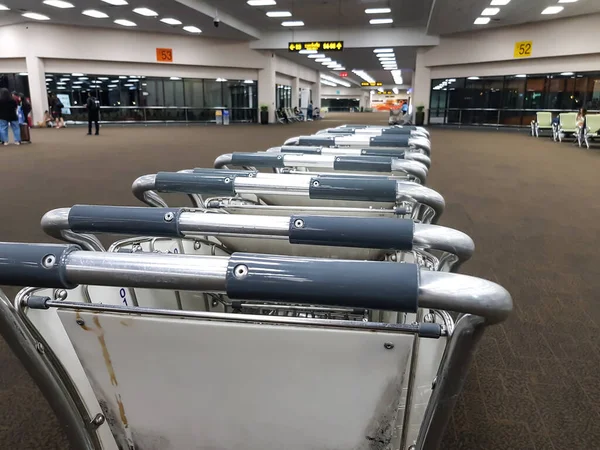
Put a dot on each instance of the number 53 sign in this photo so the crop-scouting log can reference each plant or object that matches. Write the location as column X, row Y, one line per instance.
column 523, row 49
column 164, row 54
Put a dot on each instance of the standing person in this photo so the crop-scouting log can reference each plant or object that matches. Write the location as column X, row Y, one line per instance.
column 8, row 117
column 57, row 107
column 93, row 110
column 309, row 111
column 26, row 105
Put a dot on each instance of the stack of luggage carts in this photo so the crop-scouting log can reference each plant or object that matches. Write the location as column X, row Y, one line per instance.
column 307, row 299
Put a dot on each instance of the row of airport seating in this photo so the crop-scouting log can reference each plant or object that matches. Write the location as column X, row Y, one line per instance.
column 565, row 125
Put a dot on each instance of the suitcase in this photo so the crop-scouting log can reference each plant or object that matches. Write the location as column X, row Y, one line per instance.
column 25, row 135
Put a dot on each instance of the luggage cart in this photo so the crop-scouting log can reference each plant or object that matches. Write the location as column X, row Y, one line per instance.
column 301, row 163
column 401, row 198
column 408, row 154
column 398, row 128
column 375, row 131
column 138, row 378
column 363, row 141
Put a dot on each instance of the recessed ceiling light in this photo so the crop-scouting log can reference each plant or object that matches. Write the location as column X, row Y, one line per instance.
column 473, row 78
column 95, row 14
column 116, row 2
column 387, row 59
column 125, row 23
column 321, row 60
column 76, row 74
column 4, row 8
column 146, row 12
column 248, row 81
column 24, row 74
column 490, row 11
column 380, row 21
column 500, row 2
column 122, row 77
column 113, row 85
column 521, row 76
column 77, row 82
column 308, row 52
column 553, row 9
column 170, row 21
column 292, row 23
column 318, row 55
column 192, row 29
column 567, row 74
column 279, row 14
column 58, row 4
column 261, row 2
column 482, row 21
column 172, row 78
column 61, row 82
column 339, row 68
column 221, row 80
column 128, row 85
column 103, row 78
column 35, row 16
column 83, row 78
column 383, row 50
column 378, row 10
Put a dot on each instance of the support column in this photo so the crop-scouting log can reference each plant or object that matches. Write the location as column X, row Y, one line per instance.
column 36, row 74
column 421, row 84
column 266, row 86
column 295, row 92
column 316, row 92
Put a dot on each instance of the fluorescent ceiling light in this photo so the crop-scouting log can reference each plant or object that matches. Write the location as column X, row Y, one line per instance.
column 103, row 78
column 381, row 21
column 221, row 80
column 331, row 65
column 4, row 8
column 279, row 14
column 75, row 87
column 567, row 74
column 77, row 74
column 122, row 77
column 192, row 29
column 482, row 21
column 322, row 60
column 383, row 50
column 61, row 87
column 292, row 23
column 378, row 10
column 261, row 2
column 391, row 58
column 318, row 55
column 61, row 82
column 24, row 74
column 328, row 83
column 116, row 2
column 83, row 78
column 113, row 85
column 500, row 2
column 49, row 79
column 521, row 76
column 125, row 23
column 172, row 78
column 364, row 75
column 35, row 16
column 396, row 91
column 95, row 14
column 553, row 9
column 170, row 21
column 334, row 80
column 62, row 79
column 308, row 52
column 146, row 12
column 77, row 82
column 339, row 68
column 128, row 85
column 248, row 81
column 58, row 4
column 473, row 78
column 567, row 1
column 131, row 80
column 490, row 11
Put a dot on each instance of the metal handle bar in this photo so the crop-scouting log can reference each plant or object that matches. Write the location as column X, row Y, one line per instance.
column 382, row 151
column 242, row 276
column 363, row 188
column 378, row 232
column 401, row 127
column 399, row 141
column 349, row 163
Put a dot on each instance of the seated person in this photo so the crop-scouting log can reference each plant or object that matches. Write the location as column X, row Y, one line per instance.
column 47, row 122
column 298, row 113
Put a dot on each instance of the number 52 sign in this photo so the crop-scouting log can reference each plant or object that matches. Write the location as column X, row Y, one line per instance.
column 523, row 49
column 164, row 54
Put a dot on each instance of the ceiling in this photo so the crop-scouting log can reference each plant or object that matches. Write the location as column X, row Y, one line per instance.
column 329, row 14
column 454, row 16
column 165, row 8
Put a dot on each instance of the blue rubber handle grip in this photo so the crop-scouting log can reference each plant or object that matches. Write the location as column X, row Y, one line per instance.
column 260, row 160
column 195, row 183
column 373, row 189
column 313, row 281
column 158, row 222
column 362, row 232
column 36, row 265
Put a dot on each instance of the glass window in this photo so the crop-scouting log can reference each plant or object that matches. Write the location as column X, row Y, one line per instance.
column 213, row 94
column 535, row 93
column 194, row 93
column 514, row 92
column 173, row 93
column 283, row 96
column 592, row 91
column 152, row 92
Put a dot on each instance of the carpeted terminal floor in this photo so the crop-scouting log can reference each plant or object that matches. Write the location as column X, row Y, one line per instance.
column 531, row 206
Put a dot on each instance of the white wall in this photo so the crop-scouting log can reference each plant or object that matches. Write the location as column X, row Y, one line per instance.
column 12, row 65
column 293, row 70
column 329, row 91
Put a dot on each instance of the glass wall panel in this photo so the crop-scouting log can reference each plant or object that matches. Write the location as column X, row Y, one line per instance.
column 152, row 92
column 592, row 92
column 173, row 93
column 283, row 96
column 194, row 93
column 213, row 94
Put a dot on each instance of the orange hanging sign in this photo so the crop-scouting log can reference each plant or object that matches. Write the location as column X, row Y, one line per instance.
column 164, row 55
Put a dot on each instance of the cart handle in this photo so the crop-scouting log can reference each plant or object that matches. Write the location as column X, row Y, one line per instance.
column 67, row 224
column 243, row 276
